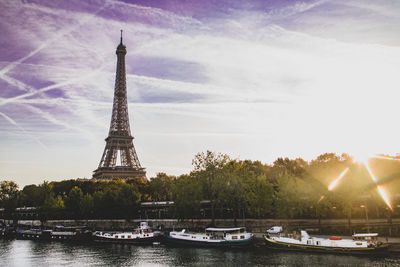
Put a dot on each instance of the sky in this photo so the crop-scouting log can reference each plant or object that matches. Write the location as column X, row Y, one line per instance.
column 255, row 80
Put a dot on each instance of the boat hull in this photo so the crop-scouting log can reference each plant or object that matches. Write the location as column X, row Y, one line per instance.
column 323, row 249
column 81, row 237
column 146, row 240
column 234, row 243
column 33, row 236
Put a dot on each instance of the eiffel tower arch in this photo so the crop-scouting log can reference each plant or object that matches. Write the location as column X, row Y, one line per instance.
column 119, row 143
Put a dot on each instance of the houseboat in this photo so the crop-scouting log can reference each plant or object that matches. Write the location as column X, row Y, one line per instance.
column 71, row 233
column 212, row 237
column 141, row 235
column 360, row 244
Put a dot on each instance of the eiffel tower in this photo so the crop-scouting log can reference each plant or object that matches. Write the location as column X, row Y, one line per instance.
column 119, row 143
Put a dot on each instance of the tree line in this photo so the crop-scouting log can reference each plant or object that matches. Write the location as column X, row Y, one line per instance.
column 232, row 188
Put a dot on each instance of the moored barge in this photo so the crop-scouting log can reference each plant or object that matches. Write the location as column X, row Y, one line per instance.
column 360, row 244
column 212, row 237
column 141, row 235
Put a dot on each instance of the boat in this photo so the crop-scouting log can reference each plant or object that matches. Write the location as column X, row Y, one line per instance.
column 7, row 232
column 71, row 233
column 34, row 234
column 212, row 237
column 365, row 243
column 141, row 235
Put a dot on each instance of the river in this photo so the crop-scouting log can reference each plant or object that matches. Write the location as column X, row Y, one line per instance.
column 35, row 253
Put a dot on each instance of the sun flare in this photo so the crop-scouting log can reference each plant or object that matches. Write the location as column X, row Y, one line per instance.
column 336, row 181
column 362, row 157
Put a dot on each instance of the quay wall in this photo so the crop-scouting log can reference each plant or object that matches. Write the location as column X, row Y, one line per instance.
column 315, row 226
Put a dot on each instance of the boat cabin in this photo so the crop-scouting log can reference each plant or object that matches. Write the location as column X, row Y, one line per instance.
column 226, row 233
column 366, row 237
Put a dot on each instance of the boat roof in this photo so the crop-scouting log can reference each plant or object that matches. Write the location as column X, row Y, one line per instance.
column 224, row 229
column 367, row 234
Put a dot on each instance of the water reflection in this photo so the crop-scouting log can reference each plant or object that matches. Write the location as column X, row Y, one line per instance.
column 30, row 253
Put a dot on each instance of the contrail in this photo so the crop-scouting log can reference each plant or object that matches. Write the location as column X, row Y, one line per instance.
column 53, row 120
column 23, row 130
column 47, row 88
column 12, row 65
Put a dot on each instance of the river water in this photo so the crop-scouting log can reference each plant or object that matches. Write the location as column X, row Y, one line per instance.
column 36, row 253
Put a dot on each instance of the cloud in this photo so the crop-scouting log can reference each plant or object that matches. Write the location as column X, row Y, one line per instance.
column 254, row 79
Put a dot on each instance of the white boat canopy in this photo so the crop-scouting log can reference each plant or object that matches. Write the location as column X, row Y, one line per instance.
column 224, row 229
column 365, row 235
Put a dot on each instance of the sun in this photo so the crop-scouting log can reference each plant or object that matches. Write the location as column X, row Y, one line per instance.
column 362, row 157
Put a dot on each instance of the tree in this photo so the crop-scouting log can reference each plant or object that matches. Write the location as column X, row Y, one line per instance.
column 8, row 195
column 261, row 195
column 160, row 187
column 186, row 192
column 128, row 200
column 52, row 203
column 98, row 204
column 86, row 205
column 73, row 200
column 208, row 169
column 282, row 167
column 33, row 196
column 292, row 197
column 234, row 187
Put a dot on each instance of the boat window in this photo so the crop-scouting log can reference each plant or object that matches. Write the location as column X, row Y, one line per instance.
column 234, row 237
column 129, row 236
column 318, row 243
column 122, row 236
column 242, row 237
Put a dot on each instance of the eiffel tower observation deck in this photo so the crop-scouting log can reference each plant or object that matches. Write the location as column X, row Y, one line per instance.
column 119, row 158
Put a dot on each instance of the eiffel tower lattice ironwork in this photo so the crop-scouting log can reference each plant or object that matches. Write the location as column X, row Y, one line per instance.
column 119, row 143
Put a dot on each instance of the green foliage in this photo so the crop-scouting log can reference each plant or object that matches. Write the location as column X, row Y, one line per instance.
column 52, row 203
column 261, row 196
column 208, row 169
column 32, row 196
column 128, row 199
column 73, row 200
column 160, row 187
column 86, row 205
column 8, row 194
column 187, row 195
column 219, row 187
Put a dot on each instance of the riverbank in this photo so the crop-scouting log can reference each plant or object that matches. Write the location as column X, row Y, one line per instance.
column 324, row 226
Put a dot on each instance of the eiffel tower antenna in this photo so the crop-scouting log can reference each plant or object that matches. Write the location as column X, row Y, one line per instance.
column 119, row 143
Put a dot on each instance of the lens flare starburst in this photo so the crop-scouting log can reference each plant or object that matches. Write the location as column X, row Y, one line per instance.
column 336, row 181
column 363, row 158
column 381, row 190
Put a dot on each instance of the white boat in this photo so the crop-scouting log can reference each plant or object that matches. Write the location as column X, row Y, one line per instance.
column 141, row 235
column 361, row 243
column 212, row 237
